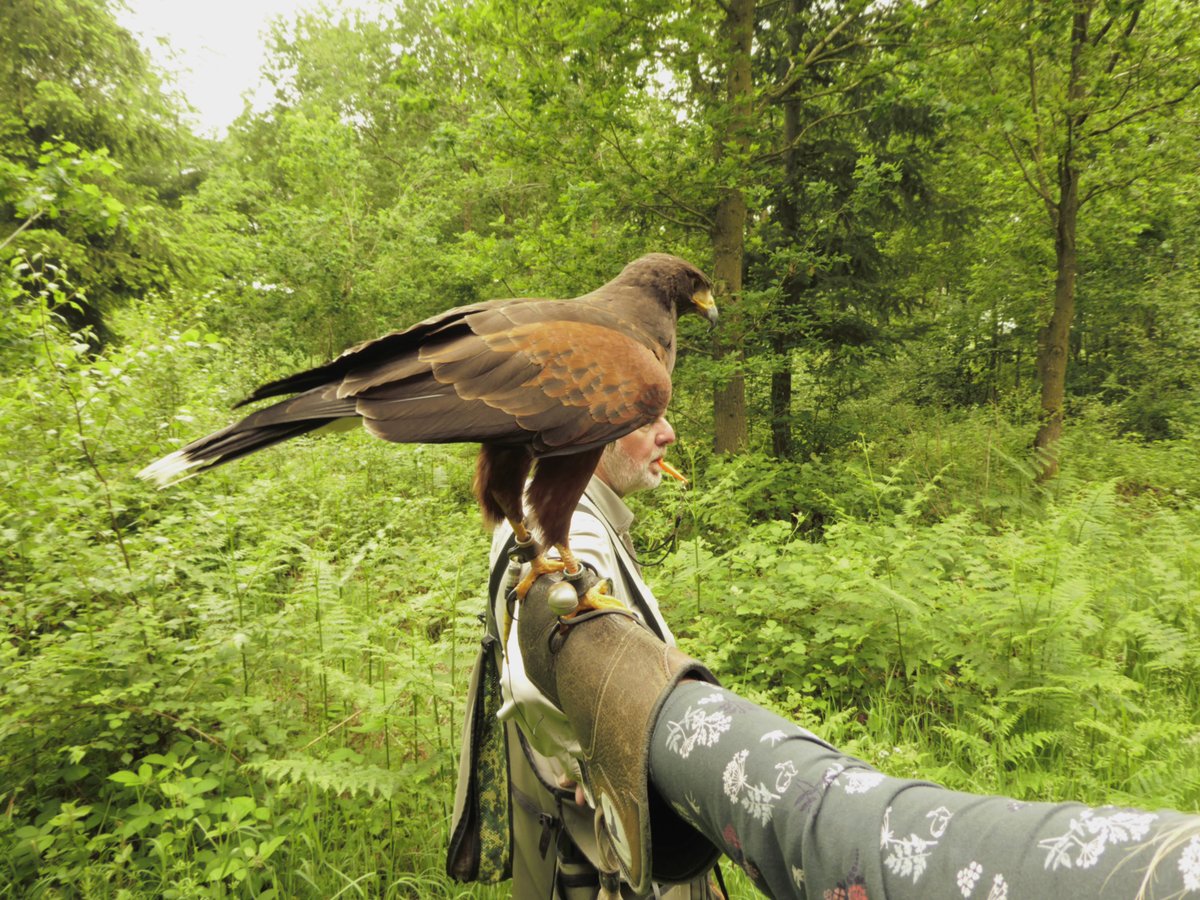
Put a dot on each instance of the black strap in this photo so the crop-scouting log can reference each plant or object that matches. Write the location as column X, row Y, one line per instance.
column 498, row 571
column 721, row 881
column 578, row 879
column 638, row 600
column 558, row 793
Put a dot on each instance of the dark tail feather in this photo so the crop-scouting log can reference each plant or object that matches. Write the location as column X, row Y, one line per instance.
column 387, row 349
column 269, row 426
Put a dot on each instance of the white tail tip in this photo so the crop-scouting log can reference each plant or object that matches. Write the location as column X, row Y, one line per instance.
column 170, row 469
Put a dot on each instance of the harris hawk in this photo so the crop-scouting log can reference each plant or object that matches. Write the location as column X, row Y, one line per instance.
column 542, row 385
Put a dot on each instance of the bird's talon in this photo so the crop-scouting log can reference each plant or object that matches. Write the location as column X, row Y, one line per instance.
column 539, row 567
column 596, row 597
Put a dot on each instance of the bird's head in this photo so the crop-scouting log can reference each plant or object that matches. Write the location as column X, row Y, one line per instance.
column 675, row 281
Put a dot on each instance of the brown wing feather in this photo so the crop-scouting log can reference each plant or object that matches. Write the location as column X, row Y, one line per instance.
column 369, row 356
column 561, row 386
column 606, row 384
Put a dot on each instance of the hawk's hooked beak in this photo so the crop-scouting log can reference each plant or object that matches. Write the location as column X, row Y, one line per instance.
column 706, row 304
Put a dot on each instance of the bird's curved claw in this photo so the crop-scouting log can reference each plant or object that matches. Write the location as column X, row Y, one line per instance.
column 596, row 597
column 595, row 600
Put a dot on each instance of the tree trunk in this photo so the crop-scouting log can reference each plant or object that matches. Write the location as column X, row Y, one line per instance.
column 781, row 400
column 1054, row 339
column 730, row 427
column 782, row 444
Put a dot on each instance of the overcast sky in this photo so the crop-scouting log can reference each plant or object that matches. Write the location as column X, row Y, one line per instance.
column 217, row 46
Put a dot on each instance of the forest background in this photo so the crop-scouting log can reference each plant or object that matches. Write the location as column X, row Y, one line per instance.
column 945, row 500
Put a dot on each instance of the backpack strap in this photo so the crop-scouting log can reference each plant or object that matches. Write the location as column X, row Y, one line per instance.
column 480, row 847
column 494, row 582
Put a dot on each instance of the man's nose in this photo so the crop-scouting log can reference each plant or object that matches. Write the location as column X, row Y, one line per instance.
column 666, row 434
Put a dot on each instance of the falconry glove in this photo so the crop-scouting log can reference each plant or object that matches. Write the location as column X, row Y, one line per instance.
column 610, row 676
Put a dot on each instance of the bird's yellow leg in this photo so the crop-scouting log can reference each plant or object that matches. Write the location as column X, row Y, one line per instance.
column 597, row 597
column 525, row 545
column 570, row 563
column 540, row 565
column 522, row 533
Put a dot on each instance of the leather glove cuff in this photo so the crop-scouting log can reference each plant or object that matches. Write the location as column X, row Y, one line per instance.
column 610, row 676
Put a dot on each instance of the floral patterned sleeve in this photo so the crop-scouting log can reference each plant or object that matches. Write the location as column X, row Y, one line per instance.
column 803, row 820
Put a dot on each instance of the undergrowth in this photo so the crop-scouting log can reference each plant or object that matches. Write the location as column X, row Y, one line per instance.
column 1046, row 655
column 252, row 684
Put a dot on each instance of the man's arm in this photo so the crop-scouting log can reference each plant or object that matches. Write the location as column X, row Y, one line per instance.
column 805, row 820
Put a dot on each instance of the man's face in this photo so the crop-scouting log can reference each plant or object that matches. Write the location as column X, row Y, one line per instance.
column 631, row 463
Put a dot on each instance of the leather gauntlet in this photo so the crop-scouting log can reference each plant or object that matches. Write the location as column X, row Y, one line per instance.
column 610, row 675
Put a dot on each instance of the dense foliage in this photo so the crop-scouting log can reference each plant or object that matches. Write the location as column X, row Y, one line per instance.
column 252, row 684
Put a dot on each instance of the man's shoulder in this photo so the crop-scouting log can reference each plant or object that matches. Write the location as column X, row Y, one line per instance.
column 588, row 520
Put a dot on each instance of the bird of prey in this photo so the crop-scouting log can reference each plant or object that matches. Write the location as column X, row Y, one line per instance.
column 541, row 385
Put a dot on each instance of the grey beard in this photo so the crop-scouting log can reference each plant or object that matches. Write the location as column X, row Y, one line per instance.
column 623, row 473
